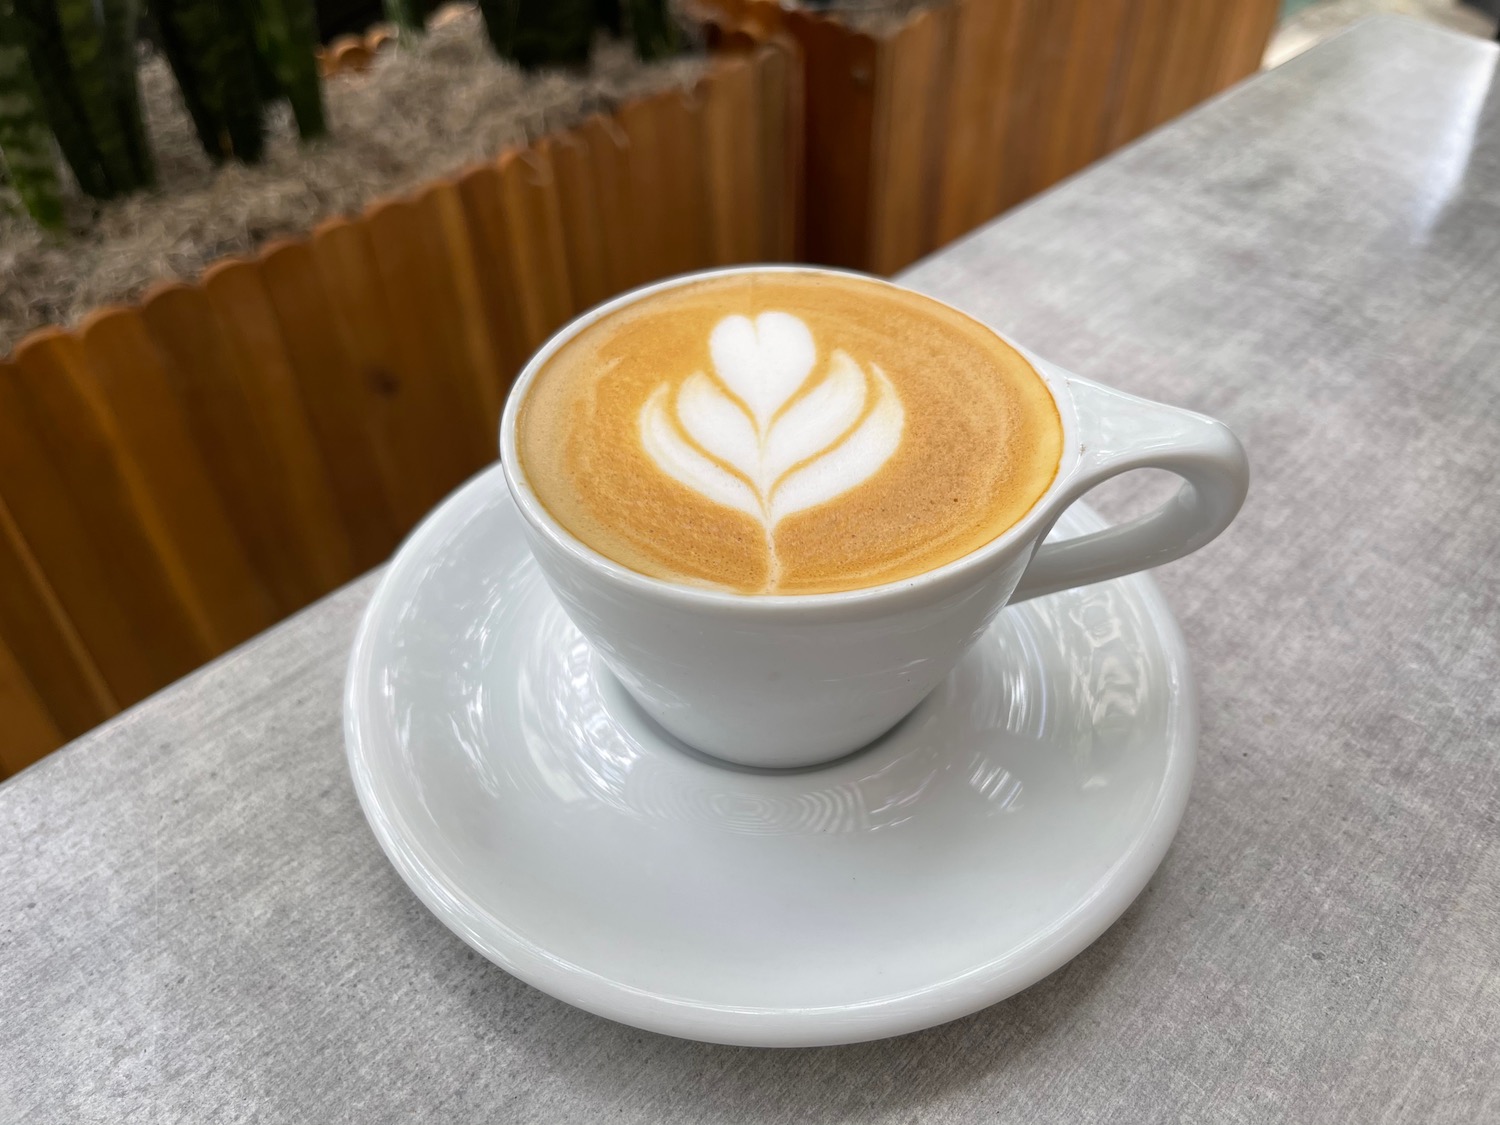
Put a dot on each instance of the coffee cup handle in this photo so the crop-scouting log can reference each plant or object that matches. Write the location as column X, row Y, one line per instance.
column 1119, row 432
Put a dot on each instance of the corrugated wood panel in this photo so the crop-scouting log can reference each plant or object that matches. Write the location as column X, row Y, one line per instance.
column 43, row 640
column 339, row 402
column 912, row 88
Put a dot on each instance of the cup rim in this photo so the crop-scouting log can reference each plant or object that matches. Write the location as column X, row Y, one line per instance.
column 937, row 581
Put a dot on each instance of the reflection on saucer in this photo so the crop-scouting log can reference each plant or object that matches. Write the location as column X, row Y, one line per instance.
column 969, row 744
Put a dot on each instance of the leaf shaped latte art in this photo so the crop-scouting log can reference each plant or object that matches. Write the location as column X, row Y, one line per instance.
column 755, row 438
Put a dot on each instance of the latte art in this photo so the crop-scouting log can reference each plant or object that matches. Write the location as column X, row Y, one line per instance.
column 787, row 432
column 751, row 440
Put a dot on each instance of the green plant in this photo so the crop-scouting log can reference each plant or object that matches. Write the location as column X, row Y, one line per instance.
column 232, row 57
column 25, row 140
column 83, row 55
column 537, row 33
column 210, row 47
column 100, row 43
column 287, row 35
column 652, row 29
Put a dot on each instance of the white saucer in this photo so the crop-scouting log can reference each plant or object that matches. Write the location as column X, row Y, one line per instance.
column 985, row 841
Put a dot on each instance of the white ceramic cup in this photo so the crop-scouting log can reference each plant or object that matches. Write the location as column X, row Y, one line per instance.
column 797, row 680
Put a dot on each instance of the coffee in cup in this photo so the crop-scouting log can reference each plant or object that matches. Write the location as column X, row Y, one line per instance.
column 785, row 432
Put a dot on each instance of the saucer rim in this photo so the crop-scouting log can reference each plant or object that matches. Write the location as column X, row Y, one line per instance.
column 947, row 999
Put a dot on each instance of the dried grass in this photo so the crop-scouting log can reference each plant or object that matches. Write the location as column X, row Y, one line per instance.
column 413, row 116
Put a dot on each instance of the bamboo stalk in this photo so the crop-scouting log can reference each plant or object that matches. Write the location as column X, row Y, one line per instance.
column 652, row 29
column 122, row 23
column 291, row 38
column 212, row 55
column 25, row 141
column 40, row 30
column 83, row 40
column 539, row 33
column 179, row 59
column 607, row 14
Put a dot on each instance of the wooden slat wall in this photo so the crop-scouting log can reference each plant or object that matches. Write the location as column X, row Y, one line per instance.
column 971, row 106
column 177, row 475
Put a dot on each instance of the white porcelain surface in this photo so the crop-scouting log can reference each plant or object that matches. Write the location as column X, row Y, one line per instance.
column 780, row 681
column 539, row 813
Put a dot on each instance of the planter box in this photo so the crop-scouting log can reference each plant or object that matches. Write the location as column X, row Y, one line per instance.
column 179, row 474
column 940, row 122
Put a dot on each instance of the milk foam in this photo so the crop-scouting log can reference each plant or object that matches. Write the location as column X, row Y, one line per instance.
column 763, row 437
column 783, row 432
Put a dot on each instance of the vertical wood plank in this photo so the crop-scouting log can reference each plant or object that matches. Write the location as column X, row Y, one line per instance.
column 1250, row 24
column 667, row 183
column 27, row 731
column 781, row 145
column 339, row 403
column 731, row 165
column 435, row 444
column 840, row 74
column 609, row 164
column 44, row 642
column 76, row 497
column 649, row 190
column 482, row 192
column 1079, row 122
column 310, row 535
column 539, row 262
column 175, row 499
column 1185, row 65
column 1003, row 119
column 911, row 91
column 350, row 276
column 478, row 377
column 1143, row 56
column 1047, row 92
column 66, row 545
column 582, row 220
column 1018, row 145
column 203, row 368
column 980, row 77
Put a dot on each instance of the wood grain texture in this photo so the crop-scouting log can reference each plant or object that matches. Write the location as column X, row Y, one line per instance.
column 1080, row 119
column 1243, row 42
column 89, row 515
column 429, row 345
column 912, row 85
column 1187, row 63
column 1143, row 56
column 289, row 466
column 475, row 371
column 44, row 642
column 61, row 543
column 584, row 240
column 340, row 404
column 29, row 730
column 781, row 142
column 734, row 170
column 981, row 71
column 840, row 69
column 609, row 171
column 1039, row 55
column 209, row 378
column 482, row 191
column 667, row 181
column 538, row 255
column 176, row 506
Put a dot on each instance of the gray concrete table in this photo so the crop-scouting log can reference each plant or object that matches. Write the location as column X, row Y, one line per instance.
column 196, row 925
